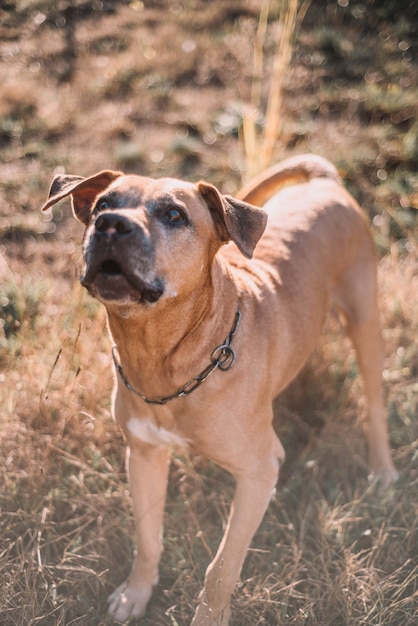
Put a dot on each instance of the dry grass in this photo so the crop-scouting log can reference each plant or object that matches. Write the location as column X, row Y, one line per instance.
column 330, row 550
column 260, row 144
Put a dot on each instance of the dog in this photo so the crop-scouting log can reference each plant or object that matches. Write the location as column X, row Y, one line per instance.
column 214, row 305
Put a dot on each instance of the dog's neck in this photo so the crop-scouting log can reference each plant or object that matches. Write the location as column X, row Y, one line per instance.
column 163, row 342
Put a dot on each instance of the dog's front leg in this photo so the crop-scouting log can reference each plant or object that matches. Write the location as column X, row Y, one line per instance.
column 254, row 489
column 148, row 474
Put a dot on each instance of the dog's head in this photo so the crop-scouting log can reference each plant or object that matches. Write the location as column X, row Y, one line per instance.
column 148, row 238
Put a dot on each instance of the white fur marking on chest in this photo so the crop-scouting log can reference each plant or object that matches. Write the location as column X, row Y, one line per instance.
column 153, row 435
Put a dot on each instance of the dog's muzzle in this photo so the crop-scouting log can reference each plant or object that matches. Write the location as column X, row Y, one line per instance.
column 118, row 261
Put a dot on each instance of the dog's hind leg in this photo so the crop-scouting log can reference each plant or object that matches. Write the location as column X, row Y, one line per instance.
column 356, row 297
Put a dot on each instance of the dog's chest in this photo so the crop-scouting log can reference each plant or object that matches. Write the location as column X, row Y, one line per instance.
column 155, row 435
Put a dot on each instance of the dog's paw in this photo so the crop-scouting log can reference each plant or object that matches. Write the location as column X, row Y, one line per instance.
column 127, row 602
column 204, row 616
column 384, row 476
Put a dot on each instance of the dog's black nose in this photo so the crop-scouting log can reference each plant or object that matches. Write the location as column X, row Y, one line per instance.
column 112, row 223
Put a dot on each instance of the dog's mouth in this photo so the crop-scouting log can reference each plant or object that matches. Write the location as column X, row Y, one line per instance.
column 110, row 268
column 110, row 280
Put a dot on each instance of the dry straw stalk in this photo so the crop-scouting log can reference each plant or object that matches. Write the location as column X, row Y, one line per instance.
column 259, row 146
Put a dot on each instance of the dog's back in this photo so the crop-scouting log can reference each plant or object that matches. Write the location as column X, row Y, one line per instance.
column 292, row 171
column 316, row 250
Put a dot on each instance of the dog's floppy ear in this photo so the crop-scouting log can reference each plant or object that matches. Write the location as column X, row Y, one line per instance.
column 82, row 190
column 234, row 219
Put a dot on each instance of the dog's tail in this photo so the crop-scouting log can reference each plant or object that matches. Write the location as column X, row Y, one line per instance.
column 299, row 169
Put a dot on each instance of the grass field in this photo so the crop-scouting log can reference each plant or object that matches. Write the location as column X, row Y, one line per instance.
column 159, row 88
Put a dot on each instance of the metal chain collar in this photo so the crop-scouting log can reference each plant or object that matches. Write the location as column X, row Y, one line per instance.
column 223, row 357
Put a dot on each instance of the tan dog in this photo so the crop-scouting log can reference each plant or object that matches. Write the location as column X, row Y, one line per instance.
column 206, row 338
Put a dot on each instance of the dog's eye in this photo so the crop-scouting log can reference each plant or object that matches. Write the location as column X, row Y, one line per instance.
column 102, row 205
column 175, row 216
